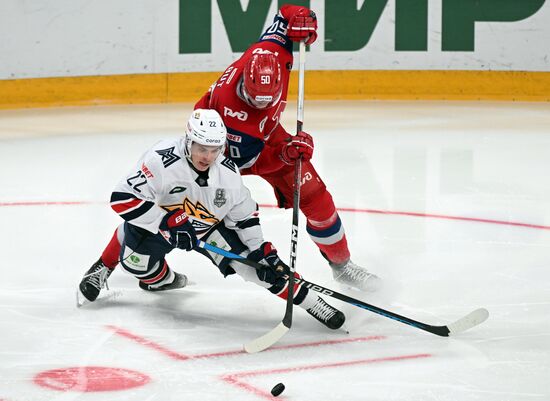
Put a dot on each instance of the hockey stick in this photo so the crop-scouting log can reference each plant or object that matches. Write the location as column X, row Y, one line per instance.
column 472, row 319
column 270, row 338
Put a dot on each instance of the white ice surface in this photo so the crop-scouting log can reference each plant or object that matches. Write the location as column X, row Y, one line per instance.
column 482, row 161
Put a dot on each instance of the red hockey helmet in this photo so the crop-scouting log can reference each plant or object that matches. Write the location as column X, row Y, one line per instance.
column 262, row 84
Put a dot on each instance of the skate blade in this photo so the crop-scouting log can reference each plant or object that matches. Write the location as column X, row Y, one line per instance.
column 344, row 328
column 81, row 299
column 374, row 287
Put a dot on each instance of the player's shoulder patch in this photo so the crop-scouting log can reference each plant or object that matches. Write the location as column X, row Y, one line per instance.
column 168, row 156
column 229, row 164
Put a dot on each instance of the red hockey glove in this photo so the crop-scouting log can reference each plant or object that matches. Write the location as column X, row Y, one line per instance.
column 274, row 268
column 179, row 230
column 296, row 146
column 302, row 23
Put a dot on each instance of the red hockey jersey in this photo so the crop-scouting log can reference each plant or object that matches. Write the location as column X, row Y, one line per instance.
column 255, row 137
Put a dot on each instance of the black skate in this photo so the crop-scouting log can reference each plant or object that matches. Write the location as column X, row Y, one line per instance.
column 327, row 314
column 180, row 281
column 93, row 281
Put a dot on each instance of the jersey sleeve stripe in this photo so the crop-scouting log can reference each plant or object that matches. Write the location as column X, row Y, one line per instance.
column 126, row 206
column 121, row 196
column 140, row 211
column 255, row 221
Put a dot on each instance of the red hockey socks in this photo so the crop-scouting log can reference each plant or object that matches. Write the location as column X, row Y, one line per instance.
column 110, row 255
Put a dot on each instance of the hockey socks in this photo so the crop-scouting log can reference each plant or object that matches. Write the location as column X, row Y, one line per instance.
column 110, row 255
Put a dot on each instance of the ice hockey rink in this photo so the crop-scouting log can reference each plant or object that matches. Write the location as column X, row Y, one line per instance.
column 449, row 202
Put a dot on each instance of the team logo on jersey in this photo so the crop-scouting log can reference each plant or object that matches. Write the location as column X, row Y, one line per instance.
column 240, row 115
column 229, row 164
column 177, row 190
column 220, row 200
column 201, row 218
column 168, row 156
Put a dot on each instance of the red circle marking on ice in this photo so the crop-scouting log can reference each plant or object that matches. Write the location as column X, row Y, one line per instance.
column 91, row 379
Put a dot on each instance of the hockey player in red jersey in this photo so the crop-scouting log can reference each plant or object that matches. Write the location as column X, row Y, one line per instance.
column 183, row 189
column 250, row 96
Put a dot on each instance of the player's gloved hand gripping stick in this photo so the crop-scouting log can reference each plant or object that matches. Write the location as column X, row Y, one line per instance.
column 178, row 230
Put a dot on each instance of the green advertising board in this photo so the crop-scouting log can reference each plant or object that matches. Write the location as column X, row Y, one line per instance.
column 349, row 28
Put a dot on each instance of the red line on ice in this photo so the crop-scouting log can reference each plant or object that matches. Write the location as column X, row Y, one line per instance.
column 148, row 343
column 235, row 378
column 340, row 209
column 434, row 216
column 182, row 357
column 46, row 203
column 291, row 346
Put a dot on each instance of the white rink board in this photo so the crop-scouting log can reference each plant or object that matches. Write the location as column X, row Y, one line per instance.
column 80, row 37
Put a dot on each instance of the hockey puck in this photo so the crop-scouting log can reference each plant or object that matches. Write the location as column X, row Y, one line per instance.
column 277, row 389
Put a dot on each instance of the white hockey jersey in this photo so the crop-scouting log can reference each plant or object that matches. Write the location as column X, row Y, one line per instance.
column 163, row 180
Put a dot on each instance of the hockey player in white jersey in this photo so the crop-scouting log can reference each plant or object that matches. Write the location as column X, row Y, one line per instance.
column 185, row 189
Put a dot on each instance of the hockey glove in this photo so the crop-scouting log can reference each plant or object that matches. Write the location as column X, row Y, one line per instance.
column 302, row 23
column 296, row 146
column 274, row 268
column 178, row 230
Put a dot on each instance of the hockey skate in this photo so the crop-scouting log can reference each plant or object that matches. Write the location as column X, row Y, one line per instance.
column 92, row 282
column 356, row 276
column 180, row 281
column 327, row 314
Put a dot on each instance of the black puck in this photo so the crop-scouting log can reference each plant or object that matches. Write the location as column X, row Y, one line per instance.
column 277, row 389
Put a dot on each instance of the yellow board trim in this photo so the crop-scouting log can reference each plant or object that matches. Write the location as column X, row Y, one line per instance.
column 345, row 84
